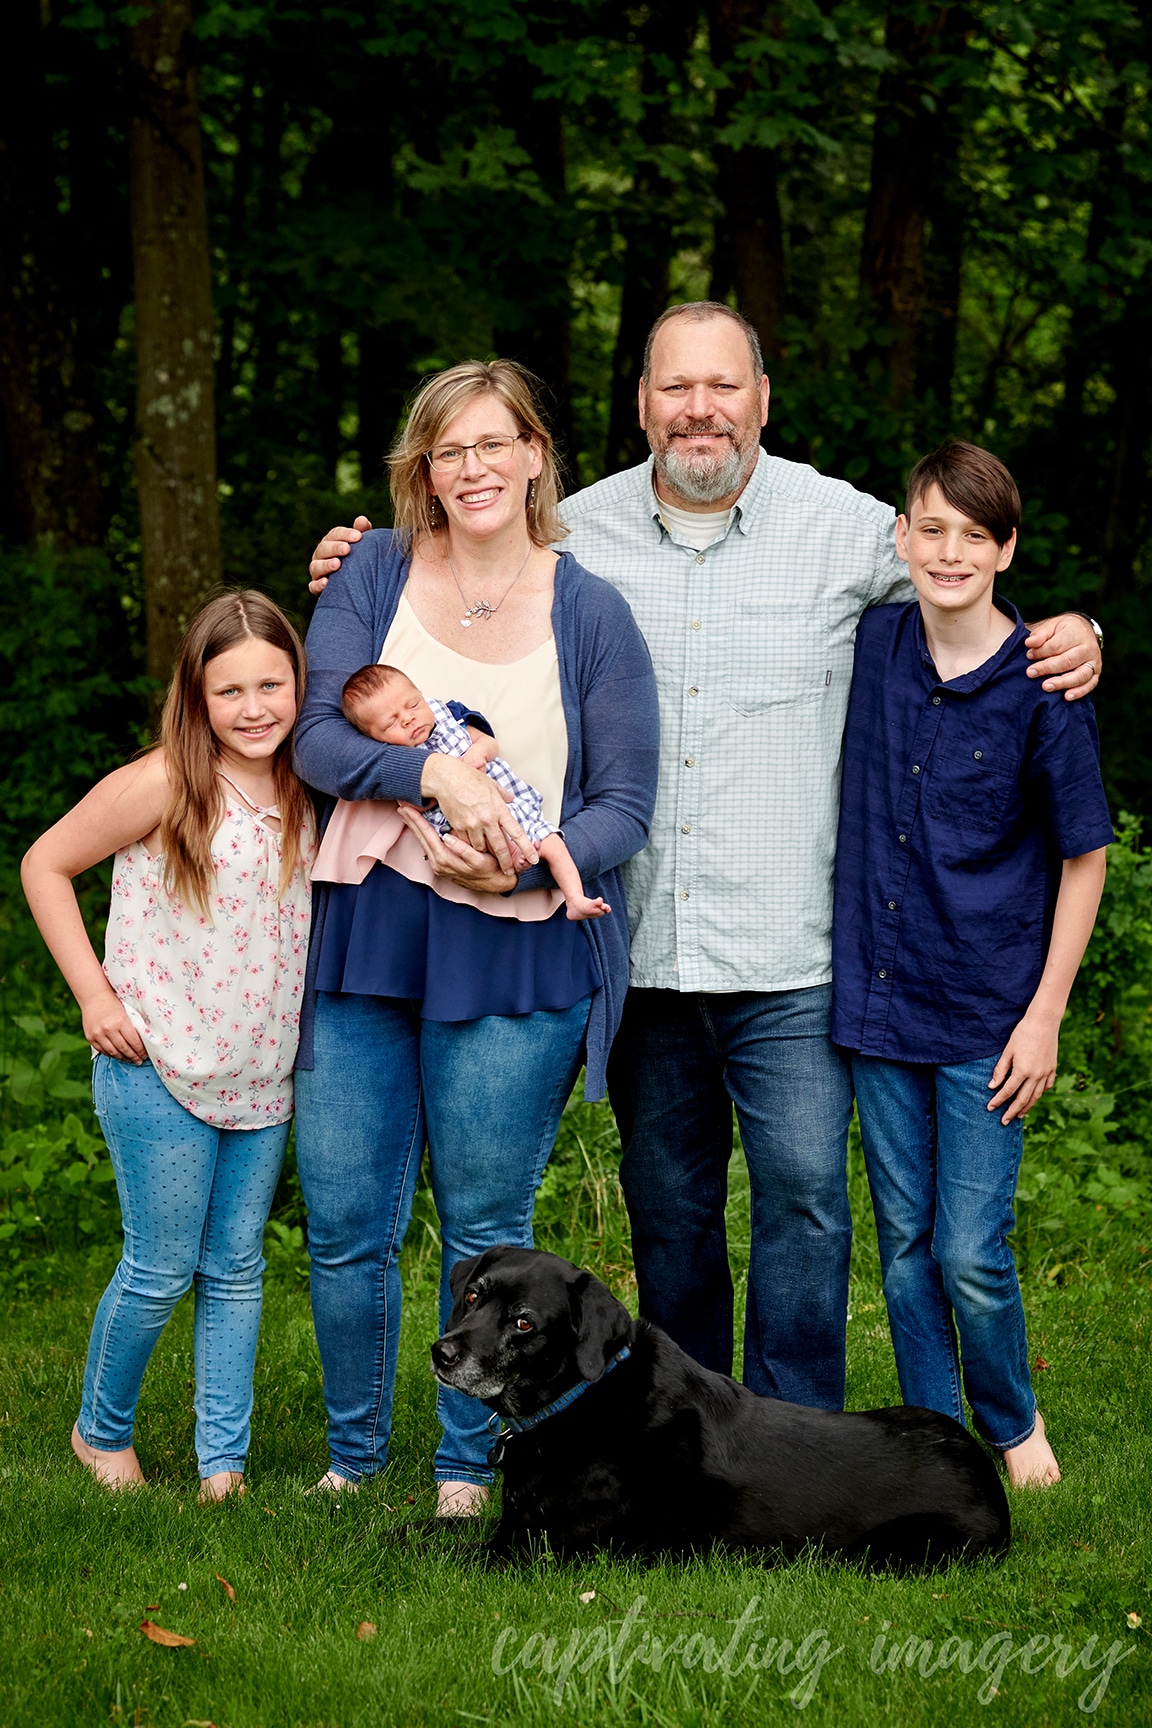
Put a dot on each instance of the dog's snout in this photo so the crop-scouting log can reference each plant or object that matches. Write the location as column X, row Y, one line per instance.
column 446, row 1353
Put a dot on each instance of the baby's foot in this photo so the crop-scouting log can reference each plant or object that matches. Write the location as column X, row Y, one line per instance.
column 1032, row 1464
column 114, row 1469
column 460, row 1499
column 581, row 907
column 221, row 1485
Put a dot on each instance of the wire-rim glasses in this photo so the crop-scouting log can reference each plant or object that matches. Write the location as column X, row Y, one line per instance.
column 494, row 452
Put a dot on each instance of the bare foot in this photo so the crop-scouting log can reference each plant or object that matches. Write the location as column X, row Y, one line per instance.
column 113, row 1469
column 333, row 1483
column 460, row 1499
column 221, row 1485
column 1032, row 1464
column 580, row 907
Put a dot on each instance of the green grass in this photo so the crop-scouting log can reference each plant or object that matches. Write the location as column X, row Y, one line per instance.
column 80, row 1569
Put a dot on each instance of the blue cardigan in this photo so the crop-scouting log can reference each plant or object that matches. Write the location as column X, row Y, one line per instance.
column 608, row 690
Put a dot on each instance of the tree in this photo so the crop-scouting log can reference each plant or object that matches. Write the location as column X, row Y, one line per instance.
column 175, row 395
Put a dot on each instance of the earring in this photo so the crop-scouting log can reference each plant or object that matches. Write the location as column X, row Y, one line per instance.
column 531, row 492
column 435, row 511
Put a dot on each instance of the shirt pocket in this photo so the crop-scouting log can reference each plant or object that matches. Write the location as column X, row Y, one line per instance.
column 973, row 784
column 775, row 655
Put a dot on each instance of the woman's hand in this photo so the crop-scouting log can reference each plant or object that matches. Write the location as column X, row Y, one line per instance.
column 1027, row 1067
column 109, row 1030
column 455, row 860
column 476, row 809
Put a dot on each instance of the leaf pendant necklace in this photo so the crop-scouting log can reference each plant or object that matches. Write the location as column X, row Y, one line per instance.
column 484, row 608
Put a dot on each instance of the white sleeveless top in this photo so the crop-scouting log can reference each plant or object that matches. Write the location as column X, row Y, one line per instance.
column 216, row 999
column 520, row 699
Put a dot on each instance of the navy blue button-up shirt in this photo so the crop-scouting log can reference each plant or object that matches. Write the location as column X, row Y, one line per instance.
column 959, row 803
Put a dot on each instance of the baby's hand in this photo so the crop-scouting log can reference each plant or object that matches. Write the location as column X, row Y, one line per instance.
column 482, row 750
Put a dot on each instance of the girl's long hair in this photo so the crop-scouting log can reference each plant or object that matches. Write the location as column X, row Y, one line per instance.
column 192, row 752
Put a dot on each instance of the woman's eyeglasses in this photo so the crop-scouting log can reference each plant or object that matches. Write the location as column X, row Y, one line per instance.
column 493, row 452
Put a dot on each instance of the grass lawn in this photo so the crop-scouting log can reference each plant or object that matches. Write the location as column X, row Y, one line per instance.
column 457, row 1643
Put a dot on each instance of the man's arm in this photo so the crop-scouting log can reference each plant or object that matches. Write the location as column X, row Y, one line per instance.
column 1067, row 655
column 1027, row 1067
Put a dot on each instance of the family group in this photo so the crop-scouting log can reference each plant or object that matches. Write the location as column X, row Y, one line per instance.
column 719, row 780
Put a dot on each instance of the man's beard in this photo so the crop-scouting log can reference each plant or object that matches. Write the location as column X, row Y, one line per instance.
column 699, row 476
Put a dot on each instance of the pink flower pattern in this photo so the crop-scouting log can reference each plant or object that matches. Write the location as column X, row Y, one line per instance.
column 216, row 1001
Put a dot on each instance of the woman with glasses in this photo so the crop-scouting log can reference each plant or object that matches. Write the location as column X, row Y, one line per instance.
column 449, row 998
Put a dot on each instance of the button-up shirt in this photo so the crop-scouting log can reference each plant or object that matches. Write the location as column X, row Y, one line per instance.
column 752, row 644
column 960, row 801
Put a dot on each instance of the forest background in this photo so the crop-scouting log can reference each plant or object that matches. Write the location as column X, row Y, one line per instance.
column 234, row 237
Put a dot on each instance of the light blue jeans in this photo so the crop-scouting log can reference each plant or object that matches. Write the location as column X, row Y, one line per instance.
column 488, row 1095
column 942, row 1168
column 194, row 1200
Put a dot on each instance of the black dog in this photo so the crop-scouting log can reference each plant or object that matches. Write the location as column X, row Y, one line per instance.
column 617, row 1439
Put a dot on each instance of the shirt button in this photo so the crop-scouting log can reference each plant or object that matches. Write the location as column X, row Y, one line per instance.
column 692, row 690
column 881, row 974
column 683, row 893
column 695, row 623
column 689, row 761
column 687, row 828
column 916, row 768
column 903, row 839
column 936, row 700
column 699, row 557
column 891, row 905
column 977, row 755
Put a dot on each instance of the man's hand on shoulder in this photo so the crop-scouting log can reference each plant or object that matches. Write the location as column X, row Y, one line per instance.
column 336, row 544
column 1066, row 655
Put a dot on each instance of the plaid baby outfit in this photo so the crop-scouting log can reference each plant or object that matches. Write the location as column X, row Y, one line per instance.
column 451, row 738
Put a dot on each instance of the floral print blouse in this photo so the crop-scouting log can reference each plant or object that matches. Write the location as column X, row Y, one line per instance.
column 216, row 998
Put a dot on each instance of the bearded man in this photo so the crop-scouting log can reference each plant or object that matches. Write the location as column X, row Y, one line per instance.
column 747, row 575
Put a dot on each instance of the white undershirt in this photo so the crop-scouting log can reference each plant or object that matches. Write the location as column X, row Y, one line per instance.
column 698, row 527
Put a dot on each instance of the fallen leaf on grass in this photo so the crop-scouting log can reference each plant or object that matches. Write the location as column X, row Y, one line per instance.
column 1134, row 1620
column 365, row 1630
column 587, row 1595
column 161, row 1635
column 150, row 1606
column 228, row 1590
column 1040, row 1364
column 196, row 1722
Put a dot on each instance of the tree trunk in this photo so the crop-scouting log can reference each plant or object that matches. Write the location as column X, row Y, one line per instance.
column 911, row 111
column 49, row 424
column 649, row 228
column 938, row 322
column 751, row 243
column 382, row 379
column 175, row 404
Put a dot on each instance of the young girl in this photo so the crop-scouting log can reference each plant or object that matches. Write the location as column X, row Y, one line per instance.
column 192, row 1018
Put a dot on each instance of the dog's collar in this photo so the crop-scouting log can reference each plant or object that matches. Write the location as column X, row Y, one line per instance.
column 513, row 1426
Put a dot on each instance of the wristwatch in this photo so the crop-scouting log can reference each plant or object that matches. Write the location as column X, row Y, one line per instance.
column 1099, row 634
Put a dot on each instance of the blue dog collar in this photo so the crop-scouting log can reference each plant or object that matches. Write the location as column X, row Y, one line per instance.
column 557, row 1404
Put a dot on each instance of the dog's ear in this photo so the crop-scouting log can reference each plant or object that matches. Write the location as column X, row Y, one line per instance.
column 461, row 1275
column 602, row 1324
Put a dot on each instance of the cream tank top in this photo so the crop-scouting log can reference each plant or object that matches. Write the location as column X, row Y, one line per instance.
column 216, row 998
column 520, row 699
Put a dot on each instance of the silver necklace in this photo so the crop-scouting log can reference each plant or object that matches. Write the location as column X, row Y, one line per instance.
column 484, row 608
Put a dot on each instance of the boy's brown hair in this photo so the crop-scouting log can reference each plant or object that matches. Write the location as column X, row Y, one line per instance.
column 367, row 682
column 972, row 480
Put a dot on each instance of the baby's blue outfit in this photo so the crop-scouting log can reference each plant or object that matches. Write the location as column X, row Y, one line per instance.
column 452, row 738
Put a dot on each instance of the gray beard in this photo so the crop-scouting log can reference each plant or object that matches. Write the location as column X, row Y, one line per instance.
column 700, row 479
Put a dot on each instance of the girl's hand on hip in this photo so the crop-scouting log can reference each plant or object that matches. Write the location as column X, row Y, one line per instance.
column 476, row 809
column 1027, row 1067
column 455, row 860
column 109, row 1030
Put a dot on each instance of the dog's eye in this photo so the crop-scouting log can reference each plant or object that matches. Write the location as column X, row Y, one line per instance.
column 471, row 1296
column 523, row 1325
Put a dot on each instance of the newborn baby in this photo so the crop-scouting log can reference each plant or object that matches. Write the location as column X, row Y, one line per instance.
column 383, row 703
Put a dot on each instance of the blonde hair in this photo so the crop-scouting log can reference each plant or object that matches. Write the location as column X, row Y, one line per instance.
column 416, row 512
column 191, row 749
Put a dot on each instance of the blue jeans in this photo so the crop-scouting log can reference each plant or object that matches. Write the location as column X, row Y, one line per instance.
column 942, row 1168
column 194, row 1201
column 678, row 1065
column 488, row 1095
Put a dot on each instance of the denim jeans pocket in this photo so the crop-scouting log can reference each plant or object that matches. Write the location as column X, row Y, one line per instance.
column 99, row 1081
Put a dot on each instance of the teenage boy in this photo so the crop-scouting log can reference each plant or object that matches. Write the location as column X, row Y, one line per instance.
column 969, row 867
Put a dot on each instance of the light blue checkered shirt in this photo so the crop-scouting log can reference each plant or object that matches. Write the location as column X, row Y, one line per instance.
column 752, row 642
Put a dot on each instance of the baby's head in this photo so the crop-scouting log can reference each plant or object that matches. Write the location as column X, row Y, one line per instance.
column 383, row 703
